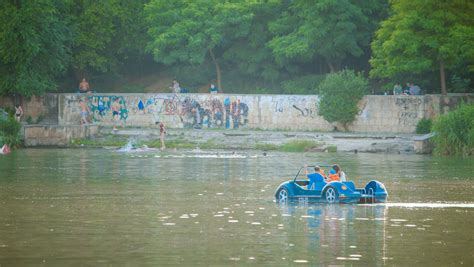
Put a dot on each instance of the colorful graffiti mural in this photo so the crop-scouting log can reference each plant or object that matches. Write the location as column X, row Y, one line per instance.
column 100, row 107
column 190, row 111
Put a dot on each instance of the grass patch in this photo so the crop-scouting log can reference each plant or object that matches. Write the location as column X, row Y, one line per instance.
column 266, row 147
column 299, row 146
column 332, row 148
column 108, row 141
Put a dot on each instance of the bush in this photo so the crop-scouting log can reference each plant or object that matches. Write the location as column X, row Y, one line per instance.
column 9, row 131
column 424, row 126
column 299, row 146
column 455, row 132
column 339, row 94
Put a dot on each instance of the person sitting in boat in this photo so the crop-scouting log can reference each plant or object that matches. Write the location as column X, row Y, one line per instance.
column 317, row 176
column 336, row 174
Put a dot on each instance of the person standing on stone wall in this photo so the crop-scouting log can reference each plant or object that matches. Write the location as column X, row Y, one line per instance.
column 175, row 87
column 397, row 89
column 213, row 89
column 84, row 86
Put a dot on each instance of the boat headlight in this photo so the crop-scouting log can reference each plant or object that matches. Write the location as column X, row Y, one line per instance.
column 344, row 187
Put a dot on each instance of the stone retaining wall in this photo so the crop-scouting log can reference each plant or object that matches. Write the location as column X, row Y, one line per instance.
column 56, row 135
column 269, row 112
column 378, row 114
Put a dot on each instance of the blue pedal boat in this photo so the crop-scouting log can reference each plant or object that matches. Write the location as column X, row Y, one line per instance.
column 297, row 190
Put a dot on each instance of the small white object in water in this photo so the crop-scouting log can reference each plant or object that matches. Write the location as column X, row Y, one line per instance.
column 348, row 259
column 256, row 223
column 300, row 261
column 233, row 221
column 169, row 224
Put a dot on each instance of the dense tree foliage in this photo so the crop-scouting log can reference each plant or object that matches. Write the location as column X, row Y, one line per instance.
column 422, row 36
column 33, row 45
column 187, row 31
column 272, row 46
column 323, row 30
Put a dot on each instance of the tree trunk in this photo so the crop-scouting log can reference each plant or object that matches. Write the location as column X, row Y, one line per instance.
column 442, row 74
column 218, row 69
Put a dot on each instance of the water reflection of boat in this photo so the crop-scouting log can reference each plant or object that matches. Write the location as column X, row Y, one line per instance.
column 332, row 234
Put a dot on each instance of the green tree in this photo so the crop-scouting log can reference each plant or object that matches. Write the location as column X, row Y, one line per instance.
column 324, row 30
column 189, row 31
column 34, row 45
column 422, row 36
column 339, row 95
column 106, row 33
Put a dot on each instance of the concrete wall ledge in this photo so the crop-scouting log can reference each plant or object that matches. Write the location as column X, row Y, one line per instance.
column 56, row 135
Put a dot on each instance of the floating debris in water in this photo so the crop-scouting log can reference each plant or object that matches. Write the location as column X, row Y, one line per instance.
column 300, row 261
column 169, row 224
column 184, row 216
column 233, row 221
column 256, row 223
column 410, row 225
column 398, row 220
column 348, row 259
column 234, row 259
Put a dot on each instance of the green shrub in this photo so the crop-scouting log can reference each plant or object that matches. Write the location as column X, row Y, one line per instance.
column 10, row 131
column 424, row 126
column 266, row 147
column 455, row 132
column 339, row 94
column 332, row 149
column 299, row 146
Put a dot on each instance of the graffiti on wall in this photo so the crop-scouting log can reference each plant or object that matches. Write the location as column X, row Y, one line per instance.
column 100, row 107
column 409, row 107
column 230, row 112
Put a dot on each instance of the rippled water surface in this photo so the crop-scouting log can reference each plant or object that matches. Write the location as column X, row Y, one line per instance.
column 94, row 207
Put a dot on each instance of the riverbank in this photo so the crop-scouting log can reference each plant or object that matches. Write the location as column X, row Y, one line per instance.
column 290, row 141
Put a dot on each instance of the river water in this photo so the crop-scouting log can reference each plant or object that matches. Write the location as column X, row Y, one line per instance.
column 103, row 207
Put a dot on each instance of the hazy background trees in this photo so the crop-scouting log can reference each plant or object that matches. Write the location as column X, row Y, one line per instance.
column 244, row 46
